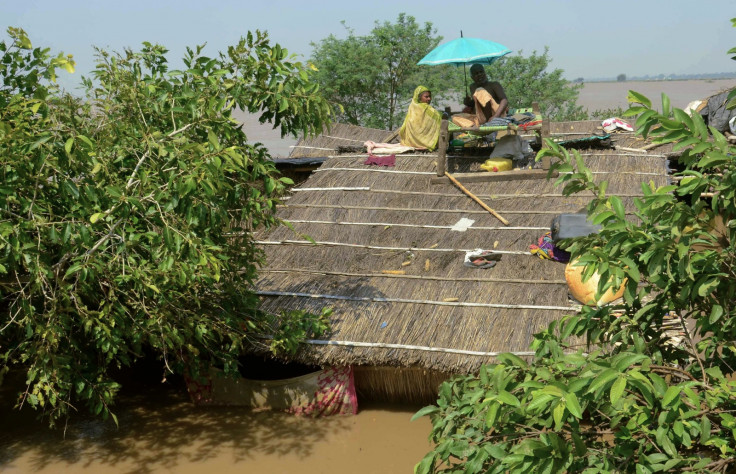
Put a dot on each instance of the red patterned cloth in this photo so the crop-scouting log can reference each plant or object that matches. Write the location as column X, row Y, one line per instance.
column 335, row 394
column 330, row 391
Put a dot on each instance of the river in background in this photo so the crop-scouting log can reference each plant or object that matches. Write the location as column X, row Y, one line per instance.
column 594, row 96
column 607, row 95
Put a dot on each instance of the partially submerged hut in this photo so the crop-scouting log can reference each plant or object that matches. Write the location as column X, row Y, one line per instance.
column 387, row 255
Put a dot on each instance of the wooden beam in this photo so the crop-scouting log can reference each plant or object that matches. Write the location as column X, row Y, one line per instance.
column 546, row 160
column 486, row 177
column 476, row 198
column 442, row 148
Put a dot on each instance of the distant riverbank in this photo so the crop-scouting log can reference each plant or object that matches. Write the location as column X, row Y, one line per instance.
column 594, row 96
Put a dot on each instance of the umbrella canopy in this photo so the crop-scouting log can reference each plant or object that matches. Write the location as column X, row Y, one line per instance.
column 465, row 51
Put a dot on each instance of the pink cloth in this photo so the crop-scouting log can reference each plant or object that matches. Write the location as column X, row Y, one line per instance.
column 330, row 391
column 388, row 160
column 335, row 396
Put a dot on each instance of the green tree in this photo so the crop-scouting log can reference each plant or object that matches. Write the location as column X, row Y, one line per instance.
column 373, row 77
column 527, row 80
column 127, row 218
column 634, row 401
column 621, row 78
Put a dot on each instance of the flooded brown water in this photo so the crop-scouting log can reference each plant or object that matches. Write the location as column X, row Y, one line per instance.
column 608, row 95
column 162, row 432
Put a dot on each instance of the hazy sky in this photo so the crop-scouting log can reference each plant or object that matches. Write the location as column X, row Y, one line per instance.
column 589, row 39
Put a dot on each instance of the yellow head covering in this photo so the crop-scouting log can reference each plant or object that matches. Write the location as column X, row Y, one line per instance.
column 421, row 126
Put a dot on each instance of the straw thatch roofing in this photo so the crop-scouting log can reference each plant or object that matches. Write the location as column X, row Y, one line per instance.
column 439, row 314
column 338, row 135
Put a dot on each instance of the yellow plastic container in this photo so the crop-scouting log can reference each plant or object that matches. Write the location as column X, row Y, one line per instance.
column 497, row 164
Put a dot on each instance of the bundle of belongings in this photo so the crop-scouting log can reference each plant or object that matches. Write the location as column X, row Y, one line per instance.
column 566, row 226
column 563, row 226
column 612, row 124
column 715, row 113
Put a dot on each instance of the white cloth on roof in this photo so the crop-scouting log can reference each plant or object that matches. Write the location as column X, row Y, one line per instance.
column 386, row 148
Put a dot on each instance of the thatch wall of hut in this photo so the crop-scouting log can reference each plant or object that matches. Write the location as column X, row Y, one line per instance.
column 413, row 385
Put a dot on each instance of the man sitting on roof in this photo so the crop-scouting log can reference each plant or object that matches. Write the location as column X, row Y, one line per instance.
column 421, row 127
column 488, row 102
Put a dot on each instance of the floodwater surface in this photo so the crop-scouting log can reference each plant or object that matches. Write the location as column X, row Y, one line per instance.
column 162, row 432
column 608, row 95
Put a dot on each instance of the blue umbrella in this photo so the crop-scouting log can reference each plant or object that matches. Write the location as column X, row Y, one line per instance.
column 465, row 51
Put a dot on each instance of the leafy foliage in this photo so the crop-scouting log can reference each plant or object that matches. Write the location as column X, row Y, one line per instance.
column 634, row 401
column 126, row 218
column 373, row 77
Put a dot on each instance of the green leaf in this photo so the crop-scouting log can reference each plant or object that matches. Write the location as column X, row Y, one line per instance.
column 602, row 379
column 665, row 104
column 617, row 389
column 428, row 410
column 68, row 145
column 705, row 427
column 508, row 398
column 635, row 97
column 492, row 415
column 213, row 140
column 634, row 110
column 86, row 141
column 626, row 360
column 512, row 359
column 706, row 287
column 618, row 207
column 668, row 446
column 426, row 465
column 540, row 400
column 573, row 405
column 557, row 413
column 673, row 392
column 713, row 159
column 96, row 216
column 496, row 451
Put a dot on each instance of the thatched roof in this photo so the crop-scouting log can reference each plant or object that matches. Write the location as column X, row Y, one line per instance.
column 338, row 135
column 439, row 314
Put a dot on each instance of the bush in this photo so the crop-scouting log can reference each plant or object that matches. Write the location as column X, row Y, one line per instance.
column 127, row 217
column 632, row 401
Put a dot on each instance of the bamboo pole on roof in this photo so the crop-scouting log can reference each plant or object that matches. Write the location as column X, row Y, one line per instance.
column 476, row 199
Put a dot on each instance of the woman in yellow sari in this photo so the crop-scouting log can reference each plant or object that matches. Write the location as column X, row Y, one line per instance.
column 421, row 128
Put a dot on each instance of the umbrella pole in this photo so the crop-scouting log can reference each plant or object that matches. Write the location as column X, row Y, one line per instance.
column 465, row 72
